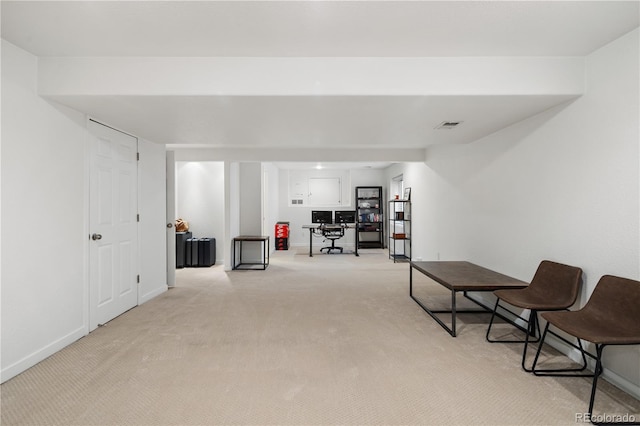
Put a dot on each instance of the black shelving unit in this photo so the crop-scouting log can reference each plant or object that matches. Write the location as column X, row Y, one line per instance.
column 370, row 220
column 400, row 230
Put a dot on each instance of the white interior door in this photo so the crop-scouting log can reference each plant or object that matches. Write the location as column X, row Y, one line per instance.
column 113, row 198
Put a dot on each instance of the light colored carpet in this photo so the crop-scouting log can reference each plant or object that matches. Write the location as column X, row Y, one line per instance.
column 332, row 339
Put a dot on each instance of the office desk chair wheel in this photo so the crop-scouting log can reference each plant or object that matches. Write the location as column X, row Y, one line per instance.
column 332, row 247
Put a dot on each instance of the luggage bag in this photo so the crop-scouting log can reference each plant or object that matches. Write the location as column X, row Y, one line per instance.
column 191, row 258
column 207, row 252
column 181, row 248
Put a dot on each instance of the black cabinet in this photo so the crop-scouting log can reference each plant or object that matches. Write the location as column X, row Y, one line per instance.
column 369, row 220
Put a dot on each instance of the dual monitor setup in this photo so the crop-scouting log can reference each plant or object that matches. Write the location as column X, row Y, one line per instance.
column 331, row 225
column 328, row 217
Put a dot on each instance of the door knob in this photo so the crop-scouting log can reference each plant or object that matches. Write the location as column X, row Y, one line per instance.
column 96, row 237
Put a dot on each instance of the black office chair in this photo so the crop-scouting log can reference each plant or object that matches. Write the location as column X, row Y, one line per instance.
column 332, row 233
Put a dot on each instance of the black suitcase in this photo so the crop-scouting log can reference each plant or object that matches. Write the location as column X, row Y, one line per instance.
column 192, row 252
column 181, row 248
column 207, row 252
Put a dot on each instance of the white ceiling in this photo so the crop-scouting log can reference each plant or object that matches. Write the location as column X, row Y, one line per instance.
column 313, row 29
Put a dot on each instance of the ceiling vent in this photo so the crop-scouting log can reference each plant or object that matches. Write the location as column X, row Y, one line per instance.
column 448, row 125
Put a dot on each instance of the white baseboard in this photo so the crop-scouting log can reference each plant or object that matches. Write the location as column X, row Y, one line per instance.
column 41, row 354
column 622, row 383
column 152, row 294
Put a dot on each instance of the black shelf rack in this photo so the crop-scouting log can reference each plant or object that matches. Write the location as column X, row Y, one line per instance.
column 370, row 219
column 400, row 230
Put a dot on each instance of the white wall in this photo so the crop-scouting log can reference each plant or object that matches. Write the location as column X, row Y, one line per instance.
column 200, row 195
column 301, row 215
column 44, row 298
column 250, row 209
column 152, row 231
column 231, row 209
column 45, row 206
column 562, row 186
column 298, row 215
column 252, row 76
column 200, row 199
column 250, row 196
column 271, row 212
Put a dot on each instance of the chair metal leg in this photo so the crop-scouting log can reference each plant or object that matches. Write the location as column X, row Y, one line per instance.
column 523, row 329
column 559, row 372
column 596, row 420
column 596, row 374
column 493, row 316
column 532, row 325
column 630, row 420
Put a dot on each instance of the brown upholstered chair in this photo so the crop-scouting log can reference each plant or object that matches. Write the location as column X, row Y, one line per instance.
column 610, row 317
column 554, row 287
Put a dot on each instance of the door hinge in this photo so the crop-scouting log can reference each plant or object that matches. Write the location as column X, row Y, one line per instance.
column 138, row 217
column 138, row 156
column 138, row 279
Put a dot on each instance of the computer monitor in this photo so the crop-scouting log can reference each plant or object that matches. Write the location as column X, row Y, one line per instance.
column 321, row 216
column 345, row 216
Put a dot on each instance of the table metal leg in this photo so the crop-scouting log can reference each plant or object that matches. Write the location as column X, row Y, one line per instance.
column 234, row 254
column 411, row 281
column 356, row 240
column 453, row 314
column 431, row 313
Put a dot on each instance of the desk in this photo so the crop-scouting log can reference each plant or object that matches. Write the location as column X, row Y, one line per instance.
column 313, row 229
column 264, row 240
column 464, row 277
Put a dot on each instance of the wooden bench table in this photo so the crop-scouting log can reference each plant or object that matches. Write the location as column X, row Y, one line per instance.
column 459, row 276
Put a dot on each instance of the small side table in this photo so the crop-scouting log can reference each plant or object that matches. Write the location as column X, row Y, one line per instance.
column 251, row 265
